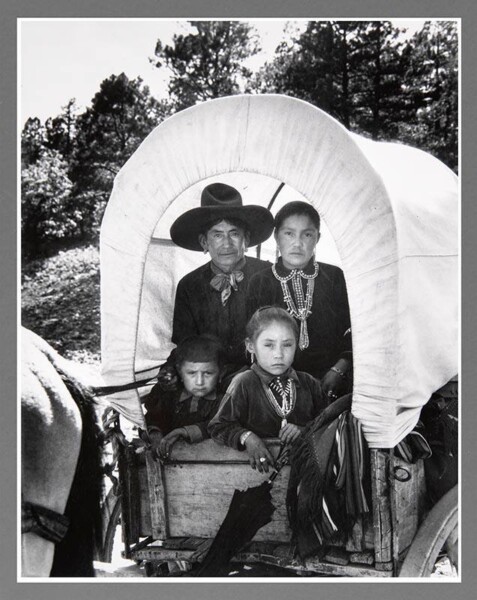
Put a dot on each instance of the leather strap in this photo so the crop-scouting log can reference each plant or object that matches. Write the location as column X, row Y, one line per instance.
column 44, row 522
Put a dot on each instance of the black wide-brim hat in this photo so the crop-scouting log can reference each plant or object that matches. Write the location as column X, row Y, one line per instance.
column 221, row 201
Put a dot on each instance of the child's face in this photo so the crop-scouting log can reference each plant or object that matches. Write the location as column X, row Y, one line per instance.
column 199, row 378
column 274, row 348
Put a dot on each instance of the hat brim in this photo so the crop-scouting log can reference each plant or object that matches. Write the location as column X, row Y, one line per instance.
column 186, row 229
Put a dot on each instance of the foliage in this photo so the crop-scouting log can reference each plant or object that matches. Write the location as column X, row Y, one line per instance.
column 365, row 75
column 207, row 64
column 60, row 131
column 33, row 139
column 121, row 115
column 378, row 103
column 61, row 301
column 47, row 210
column 431, row 88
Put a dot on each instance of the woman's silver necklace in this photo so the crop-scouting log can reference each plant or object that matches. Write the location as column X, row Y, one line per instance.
column 301, row 309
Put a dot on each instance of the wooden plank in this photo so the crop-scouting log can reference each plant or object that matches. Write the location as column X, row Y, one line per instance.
column 145, row 527
column 198, row 498
column 365, row 558
column 202, row 550
column 408, row 499
column 337, row 556
column 209, row 451
column 157, row 498
column 130, row 496
column 381, row 507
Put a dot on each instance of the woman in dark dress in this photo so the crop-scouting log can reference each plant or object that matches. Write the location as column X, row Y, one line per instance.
column 313, row 293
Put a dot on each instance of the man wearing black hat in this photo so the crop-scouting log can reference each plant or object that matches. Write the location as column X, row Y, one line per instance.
column 211, row 299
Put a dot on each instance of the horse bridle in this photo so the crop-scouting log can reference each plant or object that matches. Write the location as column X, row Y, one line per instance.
column 47, row 523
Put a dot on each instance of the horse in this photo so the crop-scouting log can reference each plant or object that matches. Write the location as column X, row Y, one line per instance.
column 61, row 476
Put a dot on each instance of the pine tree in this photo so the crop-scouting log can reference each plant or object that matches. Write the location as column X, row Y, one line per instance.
column 378, row 70
column 121, row 115
column 32, row 142
column 60, row 131
column 431, row 90
column 208, row 63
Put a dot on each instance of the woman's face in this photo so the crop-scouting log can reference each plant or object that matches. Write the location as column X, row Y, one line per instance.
column 274, row 348
column 297, row 239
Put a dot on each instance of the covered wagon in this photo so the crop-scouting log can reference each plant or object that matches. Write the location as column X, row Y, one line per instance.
column 391, row 217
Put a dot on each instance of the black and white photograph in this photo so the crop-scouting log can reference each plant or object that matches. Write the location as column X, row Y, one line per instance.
column 239, row 294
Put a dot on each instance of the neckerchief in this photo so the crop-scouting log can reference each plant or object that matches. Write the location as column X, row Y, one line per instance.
column 226, row 282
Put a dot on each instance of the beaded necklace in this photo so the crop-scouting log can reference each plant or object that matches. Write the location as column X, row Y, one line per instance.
column 287, row 394
column 301, row 309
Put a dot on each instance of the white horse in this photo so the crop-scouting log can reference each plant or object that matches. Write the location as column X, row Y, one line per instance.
column 61, row 470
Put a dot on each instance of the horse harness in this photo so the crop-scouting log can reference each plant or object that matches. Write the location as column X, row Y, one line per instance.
column 46, row 523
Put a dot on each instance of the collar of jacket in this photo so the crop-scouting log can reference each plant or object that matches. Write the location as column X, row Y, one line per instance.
column 283, row 271
column 185, row 395
column 266, row 377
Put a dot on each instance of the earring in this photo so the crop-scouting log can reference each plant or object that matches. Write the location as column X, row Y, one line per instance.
column 277, row 254
column 252, row 357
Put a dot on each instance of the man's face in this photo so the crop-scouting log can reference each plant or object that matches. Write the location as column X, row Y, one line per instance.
column 226, row 244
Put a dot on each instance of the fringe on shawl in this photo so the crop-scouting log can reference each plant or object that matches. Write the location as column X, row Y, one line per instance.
column 329, row 484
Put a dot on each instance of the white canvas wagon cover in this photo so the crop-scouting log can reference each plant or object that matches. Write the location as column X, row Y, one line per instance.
column 391, row 209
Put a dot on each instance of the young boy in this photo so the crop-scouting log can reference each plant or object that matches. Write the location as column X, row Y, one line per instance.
column 184, row 413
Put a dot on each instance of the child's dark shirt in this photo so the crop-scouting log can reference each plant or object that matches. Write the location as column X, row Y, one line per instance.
column 168, row 410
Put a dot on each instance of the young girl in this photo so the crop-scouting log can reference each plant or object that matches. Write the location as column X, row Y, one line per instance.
column 270, row 399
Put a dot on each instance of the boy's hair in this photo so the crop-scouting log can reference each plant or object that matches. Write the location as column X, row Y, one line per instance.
column 297, row 208
column 266, row 315
column 199, row 348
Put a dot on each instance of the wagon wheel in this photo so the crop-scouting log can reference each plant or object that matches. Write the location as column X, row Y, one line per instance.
column 110, row 519
column 439, row 530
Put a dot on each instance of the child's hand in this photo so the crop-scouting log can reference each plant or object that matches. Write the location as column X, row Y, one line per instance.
column 169, row 440
column 167, row 378
column 259, row 456
column 155, row 437
column 336, row 382
column 289, row 433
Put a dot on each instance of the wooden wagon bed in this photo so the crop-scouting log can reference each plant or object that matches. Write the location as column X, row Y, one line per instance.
column 172, row 511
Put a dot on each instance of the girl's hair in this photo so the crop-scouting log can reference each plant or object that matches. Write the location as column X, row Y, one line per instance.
column 267, row 315
column 297, row 208
column 199, row 348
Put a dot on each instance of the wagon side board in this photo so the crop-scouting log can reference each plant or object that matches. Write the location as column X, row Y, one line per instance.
column 181, row 504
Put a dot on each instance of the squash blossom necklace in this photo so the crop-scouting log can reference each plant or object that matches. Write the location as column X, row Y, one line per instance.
column 301, row 307
column 287, row 394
